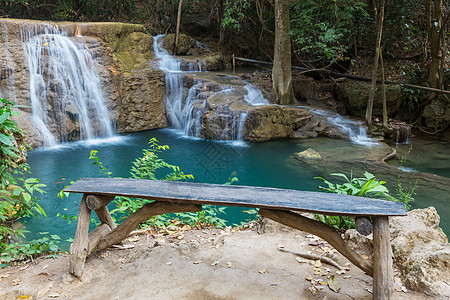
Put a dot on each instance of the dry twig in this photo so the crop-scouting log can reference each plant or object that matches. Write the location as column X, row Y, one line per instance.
column 314, row 257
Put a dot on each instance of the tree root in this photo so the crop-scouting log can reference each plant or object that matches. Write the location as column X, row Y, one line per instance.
column 314, row 257
column 390, row 156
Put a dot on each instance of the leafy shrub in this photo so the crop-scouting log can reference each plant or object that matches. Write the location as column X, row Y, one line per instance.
column 151, row 166
column 367, row 186
column 325, row 29
column 48, row 245
column 17, row 193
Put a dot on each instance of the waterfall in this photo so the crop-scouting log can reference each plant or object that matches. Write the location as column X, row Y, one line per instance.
column 402, row 134
column 180, row 109
column 176, row 108
column 355, row 130
column 65, row 91
column 254, row 96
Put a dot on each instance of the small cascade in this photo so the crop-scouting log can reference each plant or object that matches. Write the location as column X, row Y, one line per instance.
column 254, row 96
column 402, row 134
column 176, row 106
column 185, row 112
column 65, row 91
column 355, row 130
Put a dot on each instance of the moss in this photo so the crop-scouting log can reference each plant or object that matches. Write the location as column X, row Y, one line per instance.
column 130, row 43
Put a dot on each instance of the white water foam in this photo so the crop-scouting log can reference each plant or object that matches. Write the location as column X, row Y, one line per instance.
column 180, row 109
column 63, row 76
column 254, row 96
column 355, row 130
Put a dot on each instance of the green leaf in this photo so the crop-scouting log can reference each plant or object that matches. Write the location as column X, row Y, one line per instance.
column 4, row 117
column 40, row 210
column 55, row 237
column 340, row 175
column 5, row 139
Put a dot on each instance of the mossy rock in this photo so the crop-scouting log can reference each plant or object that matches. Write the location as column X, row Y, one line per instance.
column 309, row 153
column 358, row 94
column 185, row 43
column 130, row 43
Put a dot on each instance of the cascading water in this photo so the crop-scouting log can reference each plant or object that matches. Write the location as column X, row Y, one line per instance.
column 254, row 96
column 180, row 110
column 175, row 106
column 402, row 135
column 63, row 77
column 355, row 130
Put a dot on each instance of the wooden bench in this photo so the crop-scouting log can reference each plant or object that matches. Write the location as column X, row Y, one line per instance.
column 276, row 204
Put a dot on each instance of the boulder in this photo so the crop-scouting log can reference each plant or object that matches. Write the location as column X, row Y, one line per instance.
column 142, row 104
column 358, row 93
column 207, row 62
column 437, row 114
column 185, row 43
column 273, row 121
column 309, row 153
column 197, row 23
column 420, row 248
column 421, row 251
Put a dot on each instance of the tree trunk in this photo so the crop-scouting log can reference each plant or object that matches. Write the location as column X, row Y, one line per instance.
column 435, row 44
column 221, row 29
column 375, row 66
column 281, row 72
column 383, row 85
column 175, row 44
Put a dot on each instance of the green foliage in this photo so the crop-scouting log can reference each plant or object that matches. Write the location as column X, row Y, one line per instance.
column 151, row 166
column 367, row 186
column 47, row 245
column 412, row 96
column 325, row 29
column 234, row 14
column 17, row 193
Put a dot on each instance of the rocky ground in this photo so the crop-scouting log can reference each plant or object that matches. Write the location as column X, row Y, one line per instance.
column 200, row 264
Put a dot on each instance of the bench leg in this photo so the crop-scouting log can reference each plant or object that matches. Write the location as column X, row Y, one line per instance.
column 105, row 217
column 79, row 248
column 383, row 273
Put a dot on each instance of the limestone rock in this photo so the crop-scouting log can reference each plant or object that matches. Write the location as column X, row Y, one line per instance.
column 421, row 251
column 133, row 49
column 207, row 62
column 360, row 243
column 309, row 153
column 437, row 114
column 272, row 121
column 358, row 93
column 185, row 43
column 420, row 248
column 142, row 105
column 214, row 62
column 197, row 23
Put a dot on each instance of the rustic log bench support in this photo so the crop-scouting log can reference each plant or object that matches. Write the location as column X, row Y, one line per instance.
column 143, row 214
column 107, row 233
column 277, row 204
column 79, row 248
column 320, row 229
column 383, row 276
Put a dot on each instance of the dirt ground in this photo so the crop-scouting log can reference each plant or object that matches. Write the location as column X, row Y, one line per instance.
column 197, row 264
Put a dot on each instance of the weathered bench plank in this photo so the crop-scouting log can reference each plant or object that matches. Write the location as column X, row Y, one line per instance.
column 235, row 195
